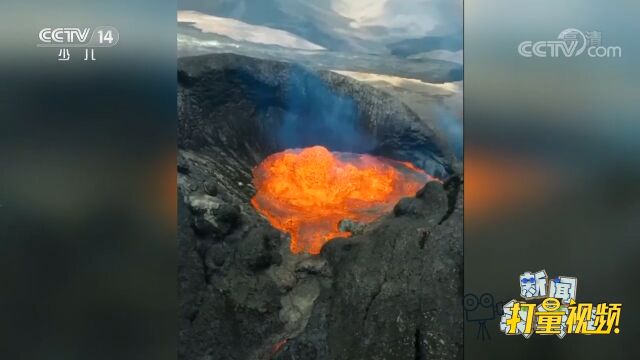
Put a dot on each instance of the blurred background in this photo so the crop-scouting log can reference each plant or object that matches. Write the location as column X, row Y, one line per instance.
column 87, row 184
column 551, row 168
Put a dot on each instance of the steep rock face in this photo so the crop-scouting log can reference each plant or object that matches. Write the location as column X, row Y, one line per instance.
column 396, row 288
column 393, row 291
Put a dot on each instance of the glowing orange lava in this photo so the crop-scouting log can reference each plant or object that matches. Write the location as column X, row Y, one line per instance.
column 306, row 192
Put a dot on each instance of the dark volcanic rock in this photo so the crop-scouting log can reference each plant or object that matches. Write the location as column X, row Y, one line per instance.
column 212, row 216
column 431, row 198
column 396, row 289
column 216, row 256
column 393, row 292
column 351, row 226
column 183, row 167
column 210, row 187
column 259, row 249
column 314, row 265
column 202, row 226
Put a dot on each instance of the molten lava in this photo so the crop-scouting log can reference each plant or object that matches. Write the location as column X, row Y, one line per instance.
column 307, row 192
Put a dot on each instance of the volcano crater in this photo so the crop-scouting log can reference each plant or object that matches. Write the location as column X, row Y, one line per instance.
column 243, row 293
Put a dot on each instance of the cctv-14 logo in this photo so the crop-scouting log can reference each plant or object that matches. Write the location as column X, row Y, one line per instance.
column 65, row 38
column 557, row 313
column 101, row 36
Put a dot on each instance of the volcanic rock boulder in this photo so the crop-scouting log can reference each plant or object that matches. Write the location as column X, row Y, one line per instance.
column 229, row 304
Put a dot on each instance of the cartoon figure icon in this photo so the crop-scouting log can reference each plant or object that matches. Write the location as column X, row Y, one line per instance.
column 533, row 285
column 551, row 318
column 563, row 288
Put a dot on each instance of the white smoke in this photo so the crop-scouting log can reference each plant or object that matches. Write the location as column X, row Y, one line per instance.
column 411, row 18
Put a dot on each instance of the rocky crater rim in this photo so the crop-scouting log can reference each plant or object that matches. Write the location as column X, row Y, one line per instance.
column 262, row 107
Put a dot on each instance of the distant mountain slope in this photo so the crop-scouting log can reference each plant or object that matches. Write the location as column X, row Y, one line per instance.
column 240, row 31
column 408, row 47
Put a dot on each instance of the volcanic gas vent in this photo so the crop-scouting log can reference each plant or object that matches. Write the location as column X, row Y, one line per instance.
column 307, row 192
